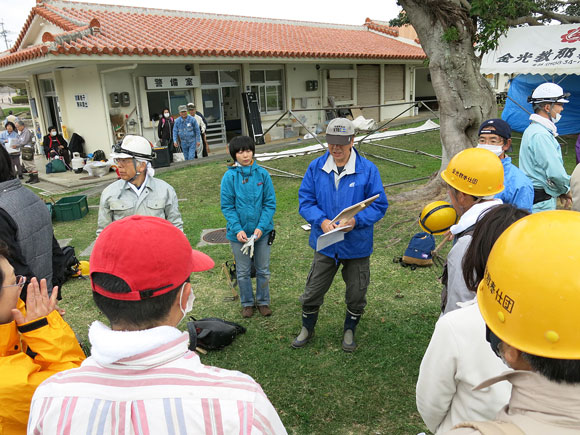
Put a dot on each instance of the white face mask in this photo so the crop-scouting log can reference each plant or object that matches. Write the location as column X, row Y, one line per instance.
column 188, row 306
column 53, row 133
column 557, row 118
column 496, row 149
column 166, row 115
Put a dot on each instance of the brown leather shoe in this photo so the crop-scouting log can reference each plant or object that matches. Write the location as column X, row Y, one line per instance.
column 247, row 312
column 265, row 310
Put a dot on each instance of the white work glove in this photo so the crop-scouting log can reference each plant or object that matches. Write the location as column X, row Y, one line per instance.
column 248, row 248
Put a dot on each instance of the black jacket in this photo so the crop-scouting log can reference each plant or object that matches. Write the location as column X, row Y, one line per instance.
column 49, row 142
column 165, row 129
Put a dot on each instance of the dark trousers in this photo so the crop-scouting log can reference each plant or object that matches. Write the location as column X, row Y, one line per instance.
column 356, row 276
column 204, row 141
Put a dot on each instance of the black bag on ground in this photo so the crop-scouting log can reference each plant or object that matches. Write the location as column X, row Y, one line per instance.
column 99, row 155
column 212, row 333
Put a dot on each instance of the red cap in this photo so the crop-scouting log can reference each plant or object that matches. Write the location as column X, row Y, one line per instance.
column 149, row 253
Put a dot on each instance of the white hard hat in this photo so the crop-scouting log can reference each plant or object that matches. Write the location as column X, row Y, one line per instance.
column 133, row 147
column 550, row 93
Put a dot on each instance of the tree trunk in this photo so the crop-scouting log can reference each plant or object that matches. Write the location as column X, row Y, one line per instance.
column 465, row 97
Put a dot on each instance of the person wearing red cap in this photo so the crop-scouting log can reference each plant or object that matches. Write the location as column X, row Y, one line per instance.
column 141, row 377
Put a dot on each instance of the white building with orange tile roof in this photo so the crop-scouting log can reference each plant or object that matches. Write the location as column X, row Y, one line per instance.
column 103, row 71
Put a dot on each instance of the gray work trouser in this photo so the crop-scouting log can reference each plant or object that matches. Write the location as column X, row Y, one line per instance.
column 356, row 276
column 16, row 164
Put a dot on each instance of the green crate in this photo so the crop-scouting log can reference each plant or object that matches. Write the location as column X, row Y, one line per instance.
column 71, row 208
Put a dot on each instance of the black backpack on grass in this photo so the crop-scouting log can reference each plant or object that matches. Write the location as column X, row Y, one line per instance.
column 212, row 333
column 64, row 264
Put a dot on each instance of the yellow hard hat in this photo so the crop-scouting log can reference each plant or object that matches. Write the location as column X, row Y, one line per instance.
column 475, row 171
column 530, row 294
column 437, row 217
column 84, row 267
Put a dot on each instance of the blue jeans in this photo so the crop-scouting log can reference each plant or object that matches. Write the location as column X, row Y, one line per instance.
column 188, row 150
column 244, row 267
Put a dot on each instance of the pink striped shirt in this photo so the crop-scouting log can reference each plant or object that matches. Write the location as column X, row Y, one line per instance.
column 166, row 390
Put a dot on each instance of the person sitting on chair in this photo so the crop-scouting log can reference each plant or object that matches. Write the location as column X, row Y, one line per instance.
column 55, row 145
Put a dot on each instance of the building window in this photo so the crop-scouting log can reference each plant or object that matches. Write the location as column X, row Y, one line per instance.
column 268, row 86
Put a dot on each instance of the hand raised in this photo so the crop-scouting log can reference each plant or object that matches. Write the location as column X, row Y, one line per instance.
column 38, row 304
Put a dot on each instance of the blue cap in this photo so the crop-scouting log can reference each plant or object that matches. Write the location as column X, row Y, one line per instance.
column 496, row 126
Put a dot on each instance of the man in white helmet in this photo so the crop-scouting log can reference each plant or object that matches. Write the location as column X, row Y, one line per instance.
column 540, row 153
column 137, row 192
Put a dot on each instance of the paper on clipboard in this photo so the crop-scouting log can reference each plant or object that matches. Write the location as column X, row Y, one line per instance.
column 11, row 146
column 349, row 212
column 334, row 236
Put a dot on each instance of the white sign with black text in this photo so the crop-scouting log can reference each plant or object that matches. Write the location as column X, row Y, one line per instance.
column 81, row 101
column 172, row 82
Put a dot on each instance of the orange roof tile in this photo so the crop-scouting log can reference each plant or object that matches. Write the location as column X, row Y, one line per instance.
column 126, row 31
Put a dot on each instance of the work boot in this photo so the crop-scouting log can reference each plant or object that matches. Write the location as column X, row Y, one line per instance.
column 350, row 322
column 247, row 312
column 265, row 310
column 32, row 179
column 307, row 331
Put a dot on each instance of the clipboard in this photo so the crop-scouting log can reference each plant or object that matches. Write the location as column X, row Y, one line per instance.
column 330, row 238
column 351, row 211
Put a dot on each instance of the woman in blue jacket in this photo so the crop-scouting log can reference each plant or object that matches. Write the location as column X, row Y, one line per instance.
column 248, row 203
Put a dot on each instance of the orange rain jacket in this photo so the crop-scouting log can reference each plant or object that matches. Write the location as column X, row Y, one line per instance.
column 29, row 354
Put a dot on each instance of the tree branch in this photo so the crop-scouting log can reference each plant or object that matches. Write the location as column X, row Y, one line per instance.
column 523, row 20
column 564, row 19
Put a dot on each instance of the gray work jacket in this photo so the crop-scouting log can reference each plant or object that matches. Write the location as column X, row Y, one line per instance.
column 119, row 200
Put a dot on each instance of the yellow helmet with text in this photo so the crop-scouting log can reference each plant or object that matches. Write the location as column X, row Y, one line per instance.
column 530, row 294
column 475, row 171
column 437, row 217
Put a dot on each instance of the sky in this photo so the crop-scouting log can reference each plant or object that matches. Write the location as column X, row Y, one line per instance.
column 15, row 12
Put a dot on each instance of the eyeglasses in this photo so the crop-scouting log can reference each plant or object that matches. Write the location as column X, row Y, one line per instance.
column 20, row 281
column 122, row 162
column 494, row 140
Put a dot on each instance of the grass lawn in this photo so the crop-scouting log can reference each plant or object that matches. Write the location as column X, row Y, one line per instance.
column 15, row 110
column 318, row 389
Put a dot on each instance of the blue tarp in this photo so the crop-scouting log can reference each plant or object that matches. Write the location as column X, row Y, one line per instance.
column 521, row 88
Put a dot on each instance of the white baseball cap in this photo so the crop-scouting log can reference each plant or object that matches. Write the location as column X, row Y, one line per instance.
column 340, row 131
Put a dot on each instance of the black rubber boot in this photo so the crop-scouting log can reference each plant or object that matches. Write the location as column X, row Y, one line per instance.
column 350, row 322
column 307, row 332
column 33, row 179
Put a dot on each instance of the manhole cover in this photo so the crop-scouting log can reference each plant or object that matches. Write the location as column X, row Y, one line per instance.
column 216, row 237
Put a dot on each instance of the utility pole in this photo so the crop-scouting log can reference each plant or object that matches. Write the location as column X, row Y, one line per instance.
column 4, row 34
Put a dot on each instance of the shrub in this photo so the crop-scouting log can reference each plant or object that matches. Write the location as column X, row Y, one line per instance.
column 20, row 99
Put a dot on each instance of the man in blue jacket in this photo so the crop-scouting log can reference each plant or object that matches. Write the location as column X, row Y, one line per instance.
column 495, row 136
column 339, row 179
column 540, row 153
column 187, row 132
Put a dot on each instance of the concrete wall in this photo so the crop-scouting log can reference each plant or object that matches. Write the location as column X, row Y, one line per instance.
column 88, row 122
